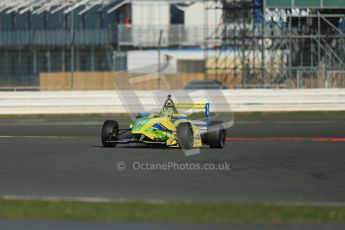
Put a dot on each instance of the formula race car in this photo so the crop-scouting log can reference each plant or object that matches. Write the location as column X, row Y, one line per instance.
column 167, row 128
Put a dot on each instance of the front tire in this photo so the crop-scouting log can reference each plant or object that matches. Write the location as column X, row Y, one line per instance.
column 184, row 135
column 110, row 131
column 216, row 135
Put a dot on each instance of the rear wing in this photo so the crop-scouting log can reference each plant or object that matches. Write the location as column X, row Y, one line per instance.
column 205, row 106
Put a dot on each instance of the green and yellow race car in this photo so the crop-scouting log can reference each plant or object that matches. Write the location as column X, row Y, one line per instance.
column 167, row 128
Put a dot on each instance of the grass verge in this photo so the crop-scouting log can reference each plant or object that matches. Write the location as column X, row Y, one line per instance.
column 166, row 212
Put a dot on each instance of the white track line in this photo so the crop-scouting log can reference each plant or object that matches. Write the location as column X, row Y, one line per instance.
column 80, row 199
column 161, row 201
column 38, row 137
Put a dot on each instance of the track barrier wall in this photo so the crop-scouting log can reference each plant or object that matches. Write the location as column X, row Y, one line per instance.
column 101, row 102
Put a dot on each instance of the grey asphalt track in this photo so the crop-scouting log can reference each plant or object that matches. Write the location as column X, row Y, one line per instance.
column 62, row 158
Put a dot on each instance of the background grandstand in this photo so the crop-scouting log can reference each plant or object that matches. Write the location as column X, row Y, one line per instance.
column 59, row 44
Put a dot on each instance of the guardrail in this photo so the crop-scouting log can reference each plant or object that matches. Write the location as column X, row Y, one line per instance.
column 57, row 37
column 93, row 102
column 173, row 35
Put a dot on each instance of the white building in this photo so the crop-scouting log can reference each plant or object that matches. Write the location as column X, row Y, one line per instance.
column 182, row 23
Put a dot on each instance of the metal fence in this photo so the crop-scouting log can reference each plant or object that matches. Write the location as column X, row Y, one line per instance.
column 148, row 36
column 297, row 52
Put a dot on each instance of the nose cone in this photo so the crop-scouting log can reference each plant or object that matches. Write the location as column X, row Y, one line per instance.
column 143, row 124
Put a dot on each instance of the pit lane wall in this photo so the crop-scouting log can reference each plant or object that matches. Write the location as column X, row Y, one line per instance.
column 101, row 102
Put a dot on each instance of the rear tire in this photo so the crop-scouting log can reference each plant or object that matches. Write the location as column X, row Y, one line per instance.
column 110, row 131
column 184, row 135
column 216, row 135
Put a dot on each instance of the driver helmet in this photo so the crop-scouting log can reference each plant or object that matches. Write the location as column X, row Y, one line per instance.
column 166, row 111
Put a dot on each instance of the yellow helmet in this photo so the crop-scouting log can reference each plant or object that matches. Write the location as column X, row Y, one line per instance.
column 166, row 111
